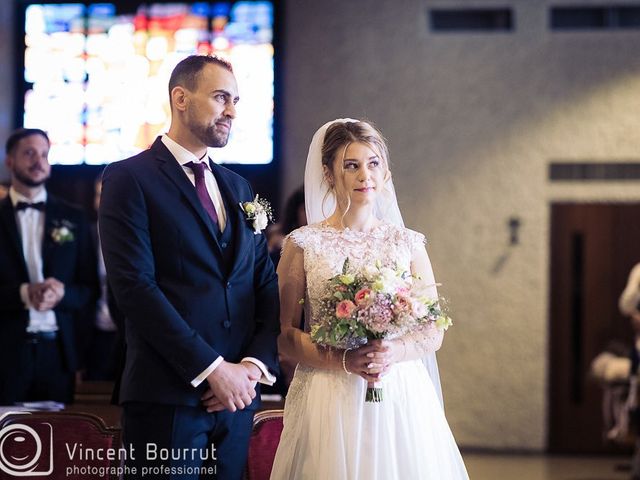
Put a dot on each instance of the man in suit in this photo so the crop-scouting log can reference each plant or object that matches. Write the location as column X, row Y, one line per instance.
column 194, row 283
column 47, row 273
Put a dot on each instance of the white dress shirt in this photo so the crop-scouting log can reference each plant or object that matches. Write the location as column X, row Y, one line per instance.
column 30, row 222
column 183, row 156
column 104, row 322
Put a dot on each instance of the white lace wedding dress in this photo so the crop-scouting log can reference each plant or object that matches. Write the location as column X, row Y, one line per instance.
column 329, row 430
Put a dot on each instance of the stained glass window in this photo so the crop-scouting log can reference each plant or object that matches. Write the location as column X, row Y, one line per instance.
column 97, row 78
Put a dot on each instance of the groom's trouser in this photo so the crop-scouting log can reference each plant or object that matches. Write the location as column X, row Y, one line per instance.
column 175, row 442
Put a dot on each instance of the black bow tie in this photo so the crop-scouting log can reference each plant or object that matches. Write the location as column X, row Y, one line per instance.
column 25, row 205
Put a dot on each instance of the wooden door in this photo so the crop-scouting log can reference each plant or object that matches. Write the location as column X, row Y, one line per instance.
column 593, row 247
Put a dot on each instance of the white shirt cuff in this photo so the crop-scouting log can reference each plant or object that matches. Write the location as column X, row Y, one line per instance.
column 203, row 376
column 267, row 378
column 24, row 295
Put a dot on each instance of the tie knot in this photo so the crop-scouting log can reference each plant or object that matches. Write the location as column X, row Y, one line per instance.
column 197, row 168
column 25, row 205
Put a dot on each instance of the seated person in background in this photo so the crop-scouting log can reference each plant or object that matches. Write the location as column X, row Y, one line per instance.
column 628, row 304
column 274, row 241
column 294, row 212
column 294, row 216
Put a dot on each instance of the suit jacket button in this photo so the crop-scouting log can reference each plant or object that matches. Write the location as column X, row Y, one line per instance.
column 228, row 284
column 224, row 245
column 227, row 324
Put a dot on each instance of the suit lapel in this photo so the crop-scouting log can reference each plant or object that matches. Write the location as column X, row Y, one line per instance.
column 8, row 219
column 241, row 234
column 172, row 169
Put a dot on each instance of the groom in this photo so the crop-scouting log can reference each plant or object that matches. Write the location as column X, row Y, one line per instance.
column 195, row 284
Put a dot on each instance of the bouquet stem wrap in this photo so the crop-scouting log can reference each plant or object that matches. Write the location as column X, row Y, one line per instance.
column 374, row 392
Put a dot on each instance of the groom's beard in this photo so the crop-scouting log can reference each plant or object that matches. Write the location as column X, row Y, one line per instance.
column 212, row 135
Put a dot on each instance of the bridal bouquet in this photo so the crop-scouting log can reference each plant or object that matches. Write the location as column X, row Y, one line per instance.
column 375, row 303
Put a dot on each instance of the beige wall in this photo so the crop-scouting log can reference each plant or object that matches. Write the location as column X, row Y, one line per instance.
column 472, row 122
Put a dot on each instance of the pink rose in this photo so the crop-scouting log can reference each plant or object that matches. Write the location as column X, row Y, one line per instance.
column 402, row 304
column 345, row 308
column 362, row 295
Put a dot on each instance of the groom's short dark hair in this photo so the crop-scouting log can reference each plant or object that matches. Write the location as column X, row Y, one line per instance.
column 186, row 71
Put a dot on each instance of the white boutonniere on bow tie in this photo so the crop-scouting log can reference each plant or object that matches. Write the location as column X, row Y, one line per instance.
column 63, row 232
column 258, row 212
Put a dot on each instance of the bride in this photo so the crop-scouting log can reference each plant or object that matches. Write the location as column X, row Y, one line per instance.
column 329, row 430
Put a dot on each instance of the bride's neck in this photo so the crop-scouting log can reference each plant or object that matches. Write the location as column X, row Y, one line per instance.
column 360, row 219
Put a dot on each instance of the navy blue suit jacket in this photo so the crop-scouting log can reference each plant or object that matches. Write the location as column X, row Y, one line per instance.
column 72, row 262
column 182, row 308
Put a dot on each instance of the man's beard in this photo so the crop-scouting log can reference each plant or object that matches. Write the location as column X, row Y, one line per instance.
column 209, row 136
column 28, row 181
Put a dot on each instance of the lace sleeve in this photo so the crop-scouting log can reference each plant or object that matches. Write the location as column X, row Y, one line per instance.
column 422, row 342
column 293, row 342
column 297, row 237
column 426, row 340
column 416, row 240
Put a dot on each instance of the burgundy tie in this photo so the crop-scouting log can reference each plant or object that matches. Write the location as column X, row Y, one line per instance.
column 201, row 189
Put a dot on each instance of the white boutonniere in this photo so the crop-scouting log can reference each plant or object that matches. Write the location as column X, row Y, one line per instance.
column 63, row 232
column 258, row 212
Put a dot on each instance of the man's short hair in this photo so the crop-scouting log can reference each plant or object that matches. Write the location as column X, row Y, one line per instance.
column 21, row 133
column 186, row 72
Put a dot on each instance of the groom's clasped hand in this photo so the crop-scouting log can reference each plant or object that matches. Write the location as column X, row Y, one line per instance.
column 231, row 386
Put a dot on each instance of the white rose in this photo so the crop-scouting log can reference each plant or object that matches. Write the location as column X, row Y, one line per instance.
column 64, row 231
column 389, row 279
column 260, row 223
column 387, row 273
column 370, row 273
column 418, row 308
